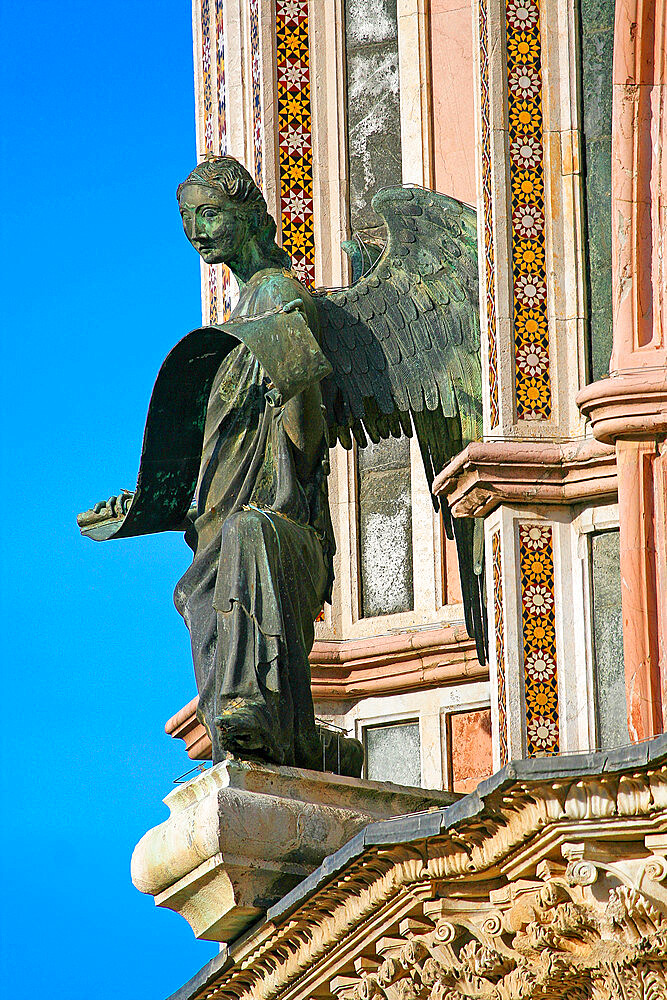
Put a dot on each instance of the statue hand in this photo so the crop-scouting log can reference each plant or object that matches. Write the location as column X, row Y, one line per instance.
column 106, row 510
column 293, row 306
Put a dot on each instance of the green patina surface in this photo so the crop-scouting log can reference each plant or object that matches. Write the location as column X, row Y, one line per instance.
column 397, row 351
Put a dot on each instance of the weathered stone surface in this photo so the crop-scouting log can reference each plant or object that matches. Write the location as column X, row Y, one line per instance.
column 373, row 105
column 608, row 640
column 597, row 41
column 385, row 527
column 241, row 835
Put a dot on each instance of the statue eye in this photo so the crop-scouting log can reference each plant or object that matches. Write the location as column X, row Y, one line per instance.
column 209, row 213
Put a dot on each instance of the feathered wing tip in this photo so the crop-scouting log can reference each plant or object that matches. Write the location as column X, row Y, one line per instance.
column 472, row 586
column 403, row 342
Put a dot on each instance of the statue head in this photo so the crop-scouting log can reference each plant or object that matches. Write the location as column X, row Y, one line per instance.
column 225, row 216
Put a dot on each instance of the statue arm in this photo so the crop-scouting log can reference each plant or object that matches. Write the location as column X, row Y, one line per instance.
column 303, row 417
column 284, row 337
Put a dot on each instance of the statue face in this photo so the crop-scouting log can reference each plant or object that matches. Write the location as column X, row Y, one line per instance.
column 215, row 225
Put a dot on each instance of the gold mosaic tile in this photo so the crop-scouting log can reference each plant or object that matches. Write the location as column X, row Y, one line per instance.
column 538, row 616
column 499, row 621
column 526, row 165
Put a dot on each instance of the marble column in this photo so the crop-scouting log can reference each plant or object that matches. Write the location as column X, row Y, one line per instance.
column 630, row 408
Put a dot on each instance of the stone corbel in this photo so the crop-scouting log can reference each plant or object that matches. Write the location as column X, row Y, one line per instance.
column 587, row 860
column 488, row 473
column 241, row 835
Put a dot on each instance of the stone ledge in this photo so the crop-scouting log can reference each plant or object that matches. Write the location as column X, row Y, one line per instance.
column 488, row 473
column 240, row 836
column 343, row 669
column 627, row 404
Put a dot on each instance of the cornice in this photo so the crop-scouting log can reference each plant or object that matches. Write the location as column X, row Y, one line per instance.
column 516, row 857
column 357, row 668
column 629, row 404
column 488, row 473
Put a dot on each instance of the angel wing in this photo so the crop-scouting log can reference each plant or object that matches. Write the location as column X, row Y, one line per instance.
column 403, row 342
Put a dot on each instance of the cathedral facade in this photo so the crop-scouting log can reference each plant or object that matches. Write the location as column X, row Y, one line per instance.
column 549, row 117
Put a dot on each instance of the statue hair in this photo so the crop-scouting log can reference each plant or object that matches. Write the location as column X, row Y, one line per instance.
column 225, row 174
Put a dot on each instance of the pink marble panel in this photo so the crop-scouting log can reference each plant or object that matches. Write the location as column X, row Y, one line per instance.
column 453, row 98
column 470, row 749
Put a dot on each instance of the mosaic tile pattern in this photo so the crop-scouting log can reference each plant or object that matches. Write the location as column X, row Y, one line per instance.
column 256, row 69
column 487, row 205
column 220, row 75
column 207, row 76
column 225, row 289
column 294, row 135
column 500, row 646
column 538, row 617
column 524, row 86
column 207, row 86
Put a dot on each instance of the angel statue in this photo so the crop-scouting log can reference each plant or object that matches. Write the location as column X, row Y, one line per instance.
column 242, row 417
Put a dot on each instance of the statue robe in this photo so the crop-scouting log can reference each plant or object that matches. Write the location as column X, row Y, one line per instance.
column 263, row 553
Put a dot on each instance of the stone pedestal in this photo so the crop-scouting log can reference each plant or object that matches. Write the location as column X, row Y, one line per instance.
column 241, row 835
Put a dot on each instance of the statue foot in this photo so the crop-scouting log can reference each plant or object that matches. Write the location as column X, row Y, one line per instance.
column 243, row 733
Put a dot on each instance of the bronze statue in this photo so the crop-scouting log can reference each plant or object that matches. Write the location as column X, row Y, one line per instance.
column 242, row 416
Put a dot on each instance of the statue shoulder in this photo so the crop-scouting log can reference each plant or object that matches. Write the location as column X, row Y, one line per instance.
column 275, row 287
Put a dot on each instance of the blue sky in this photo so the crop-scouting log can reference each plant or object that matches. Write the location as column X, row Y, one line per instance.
column 99, row 284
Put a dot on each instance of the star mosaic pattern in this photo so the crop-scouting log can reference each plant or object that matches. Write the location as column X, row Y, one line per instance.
column 220, row 71
column 526, row 165
column 538, row 616
column 256, row 64
column 500, row 646
column 219, row 303
column 295, row 136
column 489, row 261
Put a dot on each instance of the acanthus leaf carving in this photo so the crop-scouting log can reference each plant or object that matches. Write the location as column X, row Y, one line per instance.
column 539, row 942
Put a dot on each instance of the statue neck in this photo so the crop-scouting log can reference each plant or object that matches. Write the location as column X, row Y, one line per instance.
column 252, row 258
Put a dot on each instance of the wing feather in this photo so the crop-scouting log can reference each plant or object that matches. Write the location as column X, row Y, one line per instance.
column 403, row 342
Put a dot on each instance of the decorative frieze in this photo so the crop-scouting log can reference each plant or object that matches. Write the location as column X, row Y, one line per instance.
column 549, row 887
column 499, row 629
column 538, row 618
column 295, row 150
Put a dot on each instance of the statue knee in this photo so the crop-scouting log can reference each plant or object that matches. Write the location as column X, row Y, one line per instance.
column 249, row 525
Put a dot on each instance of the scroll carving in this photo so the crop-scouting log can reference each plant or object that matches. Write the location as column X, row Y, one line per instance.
column 543, row 942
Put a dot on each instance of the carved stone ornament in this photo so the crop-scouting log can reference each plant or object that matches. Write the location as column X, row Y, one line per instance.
column 550, row 888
